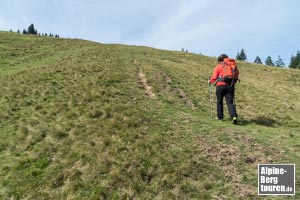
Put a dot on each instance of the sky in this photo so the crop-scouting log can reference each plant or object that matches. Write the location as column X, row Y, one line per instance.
column 210, row 27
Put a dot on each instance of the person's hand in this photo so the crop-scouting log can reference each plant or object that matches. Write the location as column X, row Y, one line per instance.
column 208, row 81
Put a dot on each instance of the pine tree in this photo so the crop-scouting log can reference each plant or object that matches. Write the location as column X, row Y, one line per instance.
column 279, row 62
column 292, row 62
column 31, row 30
column 269, row 61
column 257, row 60
column 24, row 31
column 238, row 56
column 297, row 58
column 241, row 56
column 295, row 61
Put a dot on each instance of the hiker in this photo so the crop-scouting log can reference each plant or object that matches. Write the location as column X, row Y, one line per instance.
column 224, row 88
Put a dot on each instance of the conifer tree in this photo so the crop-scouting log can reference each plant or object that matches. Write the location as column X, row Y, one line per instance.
column 297, row 58
column 269, row 61
column 295, row 61
column 292, row 61
column 238, row 57
column 241, row 56
column 31, row 30
column 279, row 62
column 257, row 60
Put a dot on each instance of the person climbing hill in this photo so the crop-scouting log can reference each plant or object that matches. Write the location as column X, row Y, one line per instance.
column 224, row 77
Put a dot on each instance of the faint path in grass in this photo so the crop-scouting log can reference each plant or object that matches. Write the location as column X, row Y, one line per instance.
column 167, row 85
column 177, row 91
column 35, row 61
column 185, row 99
column 143, row 80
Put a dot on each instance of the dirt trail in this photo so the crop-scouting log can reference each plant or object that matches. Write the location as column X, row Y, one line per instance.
column 186, row 100
column 167, row 82
column 148, row 89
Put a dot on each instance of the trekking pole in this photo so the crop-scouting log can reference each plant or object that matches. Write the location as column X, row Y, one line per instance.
column 234, row 102
column 210, row 97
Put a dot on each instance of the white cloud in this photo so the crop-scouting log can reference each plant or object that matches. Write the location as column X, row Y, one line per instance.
column 177, row 25
column 211, row 27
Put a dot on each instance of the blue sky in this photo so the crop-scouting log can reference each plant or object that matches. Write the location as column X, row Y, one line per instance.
column 211, row 27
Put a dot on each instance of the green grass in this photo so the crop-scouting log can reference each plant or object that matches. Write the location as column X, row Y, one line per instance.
column 75, row 123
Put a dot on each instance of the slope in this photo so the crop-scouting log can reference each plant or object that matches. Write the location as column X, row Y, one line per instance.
column 82, row 120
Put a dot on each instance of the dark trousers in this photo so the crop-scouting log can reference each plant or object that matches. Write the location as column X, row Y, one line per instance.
column 228, row 92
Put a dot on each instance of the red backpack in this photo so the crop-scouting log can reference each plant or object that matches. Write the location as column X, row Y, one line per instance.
column 230, row 71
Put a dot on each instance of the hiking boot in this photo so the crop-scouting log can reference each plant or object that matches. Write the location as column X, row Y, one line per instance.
column 234, row 121
column 220, row 119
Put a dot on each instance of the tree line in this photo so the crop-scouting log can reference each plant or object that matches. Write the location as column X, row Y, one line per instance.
column 33, row 31
column 294, row 62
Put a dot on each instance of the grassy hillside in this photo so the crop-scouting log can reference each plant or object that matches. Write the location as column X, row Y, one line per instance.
column 82, row 120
